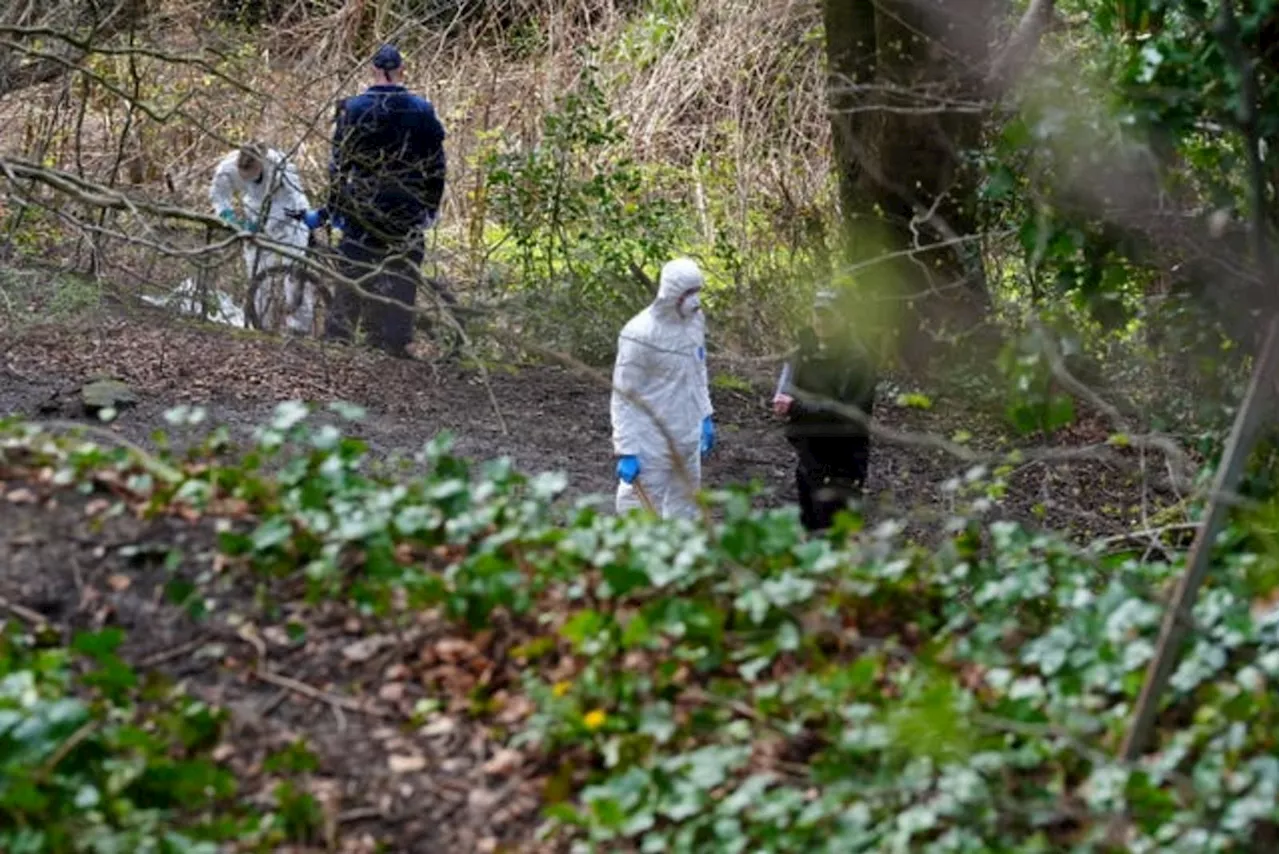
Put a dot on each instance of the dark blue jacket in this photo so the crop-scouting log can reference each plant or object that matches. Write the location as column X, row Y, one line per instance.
column 388, row 166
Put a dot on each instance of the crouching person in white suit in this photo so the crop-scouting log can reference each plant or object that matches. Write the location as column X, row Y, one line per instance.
column 662, row 361
column 268, row 188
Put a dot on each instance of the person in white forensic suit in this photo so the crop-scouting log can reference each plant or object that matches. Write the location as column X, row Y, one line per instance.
column 662, row 362
column 268, row 188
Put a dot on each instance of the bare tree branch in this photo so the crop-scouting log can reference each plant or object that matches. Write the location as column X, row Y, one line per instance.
column 1015, row 56
column 119, row 18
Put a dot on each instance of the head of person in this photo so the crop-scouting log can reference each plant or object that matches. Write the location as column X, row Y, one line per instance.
column 680, row 288
column 388, row 66
column 249, row 161
column 826, row 317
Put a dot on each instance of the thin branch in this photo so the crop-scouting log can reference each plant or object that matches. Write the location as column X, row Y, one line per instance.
column 88, row 46
column 1256, row 410
column 36, row 619
column 314, row 693
column 1155, row 441
column 1016, row 55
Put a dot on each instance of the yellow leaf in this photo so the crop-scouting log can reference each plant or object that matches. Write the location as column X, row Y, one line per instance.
column 914, row 401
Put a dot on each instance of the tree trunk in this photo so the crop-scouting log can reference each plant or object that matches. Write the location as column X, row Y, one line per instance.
column 851, row 62
column 906, row 96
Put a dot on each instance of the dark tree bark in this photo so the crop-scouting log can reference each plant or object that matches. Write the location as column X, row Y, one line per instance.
column 851, row 61
column 908, row 80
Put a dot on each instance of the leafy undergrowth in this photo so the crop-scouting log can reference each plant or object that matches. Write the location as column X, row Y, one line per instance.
column 667, row 686
column 95, row 758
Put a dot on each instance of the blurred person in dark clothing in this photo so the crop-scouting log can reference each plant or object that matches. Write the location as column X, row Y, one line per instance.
column 831, row 371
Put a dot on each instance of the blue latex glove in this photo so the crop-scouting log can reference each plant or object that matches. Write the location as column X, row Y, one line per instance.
column 311, row 219
column 228, row 216
column 708, row 435
column 628, row 468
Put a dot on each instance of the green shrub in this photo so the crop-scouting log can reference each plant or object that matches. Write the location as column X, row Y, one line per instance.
column 743, row 686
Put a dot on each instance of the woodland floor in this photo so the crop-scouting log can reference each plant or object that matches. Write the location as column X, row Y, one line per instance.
column 349, row 688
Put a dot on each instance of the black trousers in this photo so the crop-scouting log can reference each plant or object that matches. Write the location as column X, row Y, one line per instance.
column 831, row 472
column 386, row 271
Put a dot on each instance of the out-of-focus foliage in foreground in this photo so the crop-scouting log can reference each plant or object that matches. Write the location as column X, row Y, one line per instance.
column 725, row 689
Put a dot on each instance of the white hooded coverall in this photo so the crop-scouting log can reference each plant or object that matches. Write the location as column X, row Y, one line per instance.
column 662, row 360
column 279, row 189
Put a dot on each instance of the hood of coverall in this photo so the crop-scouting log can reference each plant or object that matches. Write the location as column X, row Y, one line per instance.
column 678, row 278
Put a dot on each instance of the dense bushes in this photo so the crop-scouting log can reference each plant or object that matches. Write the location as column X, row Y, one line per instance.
column 742, row 687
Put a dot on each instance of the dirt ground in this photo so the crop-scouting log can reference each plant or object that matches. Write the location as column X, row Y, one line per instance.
column 543, row 417
column 347, row 690
column 555, row 419
column 453, row 787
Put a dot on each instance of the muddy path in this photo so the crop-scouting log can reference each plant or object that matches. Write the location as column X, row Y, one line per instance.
column 544, row 418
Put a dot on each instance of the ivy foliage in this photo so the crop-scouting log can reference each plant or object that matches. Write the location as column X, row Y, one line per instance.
column 726, row 688
column 96, row 757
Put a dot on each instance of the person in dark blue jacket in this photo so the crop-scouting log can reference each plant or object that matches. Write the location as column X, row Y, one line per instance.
column 387, row 176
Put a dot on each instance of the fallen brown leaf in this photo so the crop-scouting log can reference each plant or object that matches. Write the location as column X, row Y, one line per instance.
column 406, row 764
column 515, row 709
column 455, row 650
column 365, row 648
column 504, row 762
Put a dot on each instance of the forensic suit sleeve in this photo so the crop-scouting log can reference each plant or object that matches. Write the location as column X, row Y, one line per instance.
column 704, row 385
column 222, row 189
column 291, row 191
column 629, row 373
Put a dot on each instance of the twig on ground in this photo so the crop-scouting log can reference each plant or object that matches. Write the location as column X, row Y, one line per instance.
column 1152, row 534
column 359, row 814
column 334, row 700
column 30, row 616
column 176, row 652
column 86, row 729
column 248, row 633
column 272, row 704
